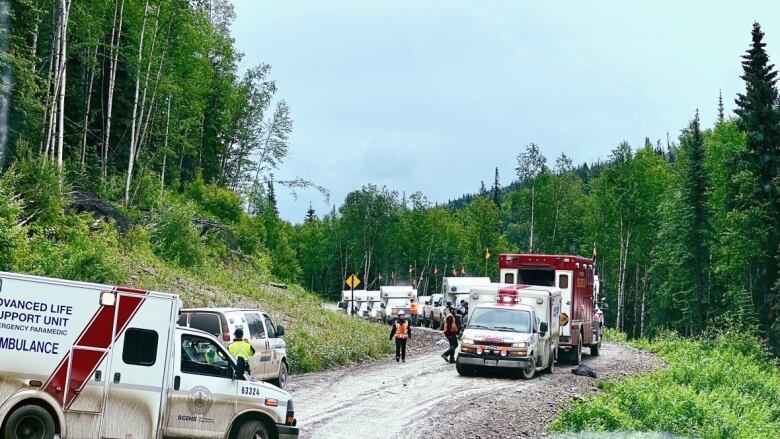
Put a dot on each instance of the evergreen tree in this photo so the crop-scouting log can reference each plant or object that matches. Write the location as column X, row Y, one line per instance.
column 311, row 215
column 721, row 116
column 271, row 194
column 496, row 191
column 759, row 119
column 483, row 192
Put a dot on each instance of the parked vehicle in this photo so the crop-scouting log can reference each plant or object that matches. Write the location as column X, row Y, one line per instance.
column 270, row 360
column 519, row 330
column 438, row 310
column 574, row 276
column 82, row 360
column 422, row 302
column 396, row 299
column 370, row 299
column 351, row 302
column 456, row 289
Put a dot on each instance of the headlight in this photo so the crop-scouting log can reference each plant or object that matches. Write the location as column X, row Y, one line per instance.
column 521, row 344
column 467, row 341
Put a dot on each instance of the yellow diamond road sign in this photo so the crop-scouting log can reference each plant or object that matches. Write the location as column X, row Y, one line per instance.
column 353, row 281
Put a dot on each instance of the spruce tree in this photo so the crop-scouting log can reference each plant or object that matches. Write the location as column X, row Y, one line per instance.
column 311, row 215
column 495, row 192
column 759, row 119
column 721, row 116
column 271, row 195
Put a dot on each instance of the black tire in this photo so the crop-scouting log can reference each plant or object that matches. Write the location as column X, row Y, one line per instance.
column 594, row 349
column 577, row 354
column 253, row 430
column 284, row 374
column 551, row 363
column 464, row 370
column 529, row 371
column 29, row 422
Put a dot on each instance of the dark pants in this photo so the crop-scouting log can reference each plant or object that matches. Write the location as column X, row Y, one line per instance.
column 400, row 348
column 453, row 339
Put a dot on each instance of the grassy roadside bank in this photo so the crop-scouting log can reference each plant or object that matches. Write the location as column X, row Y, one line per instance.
column 723, row 386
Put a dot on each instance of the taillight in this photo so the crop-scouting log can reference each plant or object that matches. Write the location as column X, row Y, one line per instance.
column 225, row 333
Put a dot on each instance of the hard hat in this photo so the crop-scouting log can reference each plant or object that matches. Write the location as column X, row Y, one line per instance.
column 238, row 333
column 401, row 313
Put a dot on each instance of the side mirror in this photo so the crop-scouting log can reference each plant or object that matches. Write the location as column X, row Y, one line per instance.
column 343, row 305
column 279, row 330
column 543, row 327
column 240, row 368
column 383, row 306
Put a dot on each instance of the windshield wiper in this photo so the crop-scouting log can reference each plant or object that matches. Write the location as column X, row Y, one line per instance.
column 504, row 328
column 477, row 327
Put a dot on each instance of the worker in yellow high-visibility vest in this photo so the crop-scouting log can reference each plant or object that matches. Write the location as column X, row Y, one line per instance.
column 240, row 347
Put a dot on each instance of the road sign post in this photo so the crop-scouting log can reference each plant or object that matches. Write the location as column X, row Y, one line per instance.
column 352, row 282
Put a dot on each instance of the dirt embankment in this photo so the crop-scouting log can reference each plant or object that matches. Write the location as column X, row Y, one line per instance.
column 426, row 398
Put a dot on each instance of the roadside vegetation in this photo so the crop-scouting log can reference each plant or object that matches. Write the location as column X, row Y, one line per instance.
column 723, row 385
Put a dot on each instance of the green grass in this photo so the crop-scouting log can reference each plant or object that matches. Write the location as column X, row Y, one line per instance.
column 725, row 386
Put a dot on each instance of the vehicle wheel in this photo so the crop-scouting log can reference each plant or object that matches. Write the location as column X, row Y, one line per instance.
column 29, row 422
column 577, row 355
column 253, row 430
column 281, row 380
column 464, row 370
column 551, row 363
column 529, row 371
column 594, row 349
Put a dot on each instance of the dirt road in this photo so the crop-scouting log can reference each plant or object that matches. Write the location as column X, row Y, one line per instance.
column 424, row 396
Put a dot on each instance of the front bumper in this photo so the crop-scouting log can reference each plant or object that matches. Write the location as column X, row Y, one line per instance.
column 482, row 360
column 287, row 432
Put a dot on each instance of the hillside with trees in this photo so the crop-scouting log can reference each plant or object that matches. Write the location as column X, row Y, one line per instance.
column 133, row 135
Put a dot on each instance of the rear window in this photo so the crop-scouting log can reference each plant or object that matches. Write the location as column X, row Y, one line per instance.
column 140, row 347
column 255, row 325
column 206, row 322
column 509, row 278
column 563, row 281
column 545, row 278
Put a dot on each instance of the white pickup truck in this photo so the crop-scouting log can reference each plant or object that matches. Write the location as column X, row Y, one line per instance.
column 519, row 330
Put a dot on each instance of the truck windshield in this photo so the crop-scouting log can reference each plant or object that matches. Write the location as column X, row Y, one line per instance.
column 397, row 303
column 501, row 319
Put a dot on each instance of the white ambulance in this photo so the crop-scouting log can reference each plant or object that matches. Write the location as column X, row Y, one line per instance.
column 519, row 329
column 82, row 360
column 396, row 299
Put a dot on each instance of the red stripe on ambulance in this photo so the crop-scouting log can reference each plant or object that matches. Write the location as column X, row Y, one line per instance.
column 83, row 360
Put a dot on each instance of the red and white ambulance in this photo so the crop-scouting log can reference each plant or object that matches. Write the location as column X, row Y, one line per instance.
column 82, row 360
column 574, row 276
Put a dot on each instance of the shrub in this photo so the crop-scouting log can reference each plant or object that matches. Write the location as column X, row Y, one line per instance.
column 719, row 387
column 11, row 236
column 216, row 202
column 173, row 236
column 41, row 193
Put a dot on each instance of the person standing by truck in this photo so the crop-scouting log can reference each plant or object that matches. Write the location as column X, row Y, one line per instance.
column 401, row 332
column 414, row 309
column 451, row 331
column 240, row 347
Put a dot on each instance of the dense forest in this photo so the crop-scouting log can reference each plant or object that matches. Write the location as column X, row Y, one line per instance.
column 136, row 110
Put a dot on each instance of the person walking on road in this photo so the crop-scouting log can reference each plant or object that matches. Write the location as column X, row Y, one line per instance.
column 240, row 347
column 401, row 332
column 451, row 331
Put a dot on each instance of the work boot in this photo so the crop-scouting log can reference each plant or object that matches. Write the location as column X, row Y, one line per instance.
column 397, row 359
column 403, row 360
column 446, row 360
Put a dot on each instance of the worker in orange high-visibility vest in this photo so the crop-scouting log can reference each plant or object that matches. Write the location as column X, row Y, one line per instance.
column 415, row 307
column 402, row 332
column 451, row 331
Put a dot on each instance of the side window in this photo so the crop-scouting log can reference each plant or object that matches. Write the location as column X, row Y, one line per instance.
column 182, row 320
column 563, row 281
column 255, row 325
column 509, row 278
column 269, row 327
column 140, row 348
column 201, row 356
column 208, row 322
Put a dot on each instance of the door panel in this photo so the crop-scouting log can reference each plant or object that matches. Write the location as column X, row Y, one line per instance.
column 203, row 399
column 258, row 364
column 277, row 347
column 138, row 364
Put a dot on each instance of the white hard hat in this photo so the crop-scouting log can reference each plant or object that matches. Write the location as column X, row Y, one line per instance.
column 401, row 313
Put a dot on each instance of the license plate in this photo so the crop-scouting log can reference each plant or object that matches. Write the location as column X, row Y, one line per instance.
column 491, row 362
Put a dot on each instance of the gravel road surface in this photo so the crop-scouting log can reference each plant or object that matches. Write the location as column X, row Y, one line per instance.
column 423, row 397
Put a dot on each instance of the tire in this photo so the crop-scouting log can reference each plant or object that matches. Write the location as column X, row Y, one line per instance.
column 253, row 430
column 463, row 370
column 281, row 379
column 551, row 363
column 529, row 371
column 594, row 349
column 29, row 422
column 576, row 358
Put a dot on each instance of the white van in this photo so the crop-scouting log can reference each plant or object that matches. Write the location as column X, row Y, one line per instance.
column 269, row 363
column 81, row 360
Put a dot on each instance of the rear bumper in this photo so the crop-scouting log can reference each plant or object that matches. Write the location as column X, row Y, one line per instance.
column 287, row 432
column 492, row 361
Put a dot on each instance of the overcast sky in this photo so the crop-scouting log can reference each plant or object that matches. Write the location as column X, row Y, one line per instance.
column 433, row 95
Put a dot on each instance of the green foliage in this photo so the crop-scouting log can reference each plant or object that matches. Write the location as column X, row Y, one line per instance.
column 11, row 237
column 719, row 387
column 37, row 184
column 174, row 237
column 214, row 201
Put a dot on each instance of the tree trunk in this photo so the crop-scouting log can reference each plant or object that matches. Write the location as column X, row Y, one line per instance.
column 134, row 120
column 533, row 208
column 165, row 145
column 116, row 31
column 65, row 12
column 87, row 105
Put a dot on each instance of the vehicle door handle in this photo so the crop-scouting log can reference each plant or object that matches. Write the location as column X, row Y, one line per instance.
column 117, row 377
column 176, row 382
